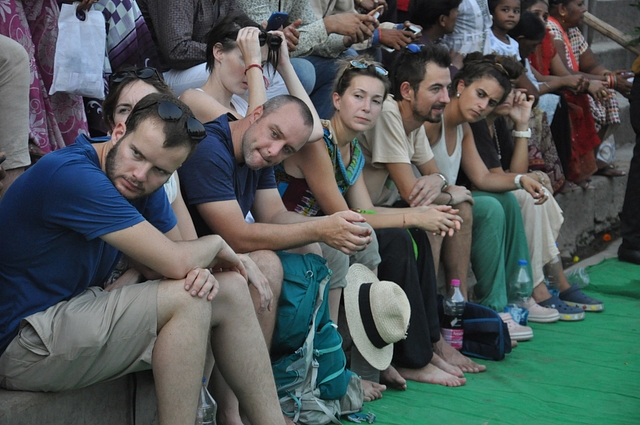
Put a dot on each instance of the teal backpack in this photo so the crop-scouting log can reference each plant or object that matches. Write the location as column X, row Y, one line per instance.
column 314, row 387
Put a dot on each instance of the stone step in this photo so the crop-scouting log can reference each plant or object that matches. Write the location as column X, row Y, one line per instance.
column 612, row 55
column 125, row 401
column 617, row 13
column 588, row 212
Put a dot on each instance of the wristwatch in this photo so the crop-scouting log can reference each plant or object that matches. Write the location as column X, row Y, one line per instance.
column 523, row 134
column 445, row 183
column 516, row 181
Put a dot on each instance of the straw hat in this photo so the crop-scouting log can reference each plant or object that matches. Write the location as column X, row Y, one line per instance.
column 378, row 314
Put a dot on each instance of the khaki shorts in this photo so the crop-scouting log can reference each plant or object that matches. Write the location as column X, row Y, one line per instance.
column 96, row 336
column 339, row 262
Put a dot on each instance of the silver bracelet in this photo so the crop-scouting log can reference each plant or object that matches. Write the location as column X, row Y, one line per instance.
column 445, row 183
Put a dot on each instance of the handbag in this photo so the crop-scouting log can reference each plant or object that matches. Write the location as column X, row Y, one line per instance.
column 486, row 336
column 80, row 53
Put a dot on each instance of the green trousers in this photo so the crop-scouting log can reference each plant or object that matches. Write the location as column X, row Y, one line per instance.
column 499, row 241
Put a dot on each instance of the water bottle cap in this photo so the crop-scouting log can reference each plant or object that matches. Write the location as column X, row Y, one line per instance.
column 522, row 262
column 455, row 282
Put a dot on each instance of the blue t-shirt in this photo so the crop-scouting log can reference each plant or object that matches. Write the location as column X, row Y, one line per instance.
column 51, row 219
column 212, row 174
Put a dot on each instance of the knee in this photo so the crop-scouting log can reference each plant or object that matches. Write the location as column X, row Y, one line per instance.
column 338, row 263
column 173, row 298
column 233, row 291
column 269, row 264
column 487, row 210
column 306, row 73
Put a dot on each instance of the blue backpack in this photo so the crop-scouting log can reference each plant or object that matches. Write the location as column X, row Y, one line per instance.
column 308, row 362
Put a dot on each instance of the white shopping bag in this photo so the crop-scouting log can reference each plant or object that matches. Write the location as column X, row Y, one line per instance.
column 80, row 50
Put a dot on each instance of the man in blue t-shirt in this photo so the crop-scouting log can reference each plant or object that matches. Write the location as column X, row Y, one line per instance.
column 231, row 174
column 64, row 224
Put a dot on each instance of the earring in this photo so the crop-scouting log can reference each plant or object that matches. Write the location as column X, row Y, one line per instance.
column 562, row 17
column 457, row 94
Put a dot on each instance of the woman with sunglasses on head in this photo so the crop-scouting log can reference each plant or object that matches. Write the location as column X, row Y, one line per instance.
column 242, row 61
column 325, row 177
column 501, row 152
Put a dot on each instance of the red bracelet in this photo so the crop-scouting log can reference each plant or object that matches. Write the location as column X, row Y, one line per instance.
column 253, row 65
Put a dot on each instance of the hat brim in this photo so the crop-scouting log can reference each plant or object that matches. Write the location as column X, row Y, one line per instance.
column 380, row 358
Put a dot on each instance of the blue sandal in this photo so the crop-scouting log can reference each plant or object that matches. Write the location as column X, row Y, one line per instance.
column 576, row 298
column 567, row 314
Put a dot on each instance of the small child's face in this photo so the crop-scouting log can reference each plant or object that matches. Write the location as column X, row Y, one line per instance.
column 507, row 14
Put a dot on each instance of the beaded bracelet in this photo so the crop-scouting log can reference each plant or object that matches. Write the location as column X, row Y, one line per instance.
column 253, row 65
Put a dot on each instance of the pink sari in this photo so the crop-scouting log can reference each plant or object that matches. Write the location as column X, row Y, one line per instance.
column 54, row 121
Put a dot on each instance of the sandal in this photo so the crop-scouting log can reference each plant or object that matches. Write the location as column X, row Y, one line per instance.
column 576, row 298
column 610, row 170
column 585, row 184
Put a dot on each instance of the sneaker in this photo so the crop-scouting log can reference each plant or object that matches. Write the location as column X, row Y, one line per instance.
column 516, row 331
column 567, row 314
column 540, row 314
column 576, row 298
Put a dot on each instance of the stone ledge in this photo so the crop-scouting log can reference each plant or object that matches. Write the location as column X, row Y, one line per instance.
column 106, row 403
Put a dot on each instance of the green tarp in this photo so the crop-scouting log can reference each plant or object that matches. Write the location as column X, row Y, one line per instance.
column 584, row 372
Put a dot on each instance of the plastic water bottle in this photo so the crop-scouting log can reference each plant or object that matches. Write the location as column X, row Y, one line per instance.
column 453, row 310
column 578, row 277
column 552, row 269
column 520, row 290
column 207, row 407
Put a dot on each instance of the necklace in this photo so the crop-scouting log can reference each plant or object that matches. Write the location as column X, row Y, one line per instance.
column 495, row 139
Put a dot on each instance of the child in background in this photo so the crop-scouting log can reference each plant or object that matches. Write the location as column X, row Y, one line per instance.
column 506, row 15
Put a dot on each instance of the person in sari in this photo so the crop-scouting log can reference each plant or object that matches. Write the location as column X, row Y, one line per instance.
column 565, row 18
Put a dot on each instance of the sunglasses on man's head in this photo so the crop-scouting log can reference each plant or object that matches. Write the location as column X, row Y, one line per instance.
column 142, row 73
column 169, row 111
column 364, row 65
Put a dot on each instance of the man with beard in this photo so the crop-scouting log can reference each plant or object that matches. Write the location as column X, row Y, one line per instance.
column 231, row 175
column 60, row 330
column 397, row 149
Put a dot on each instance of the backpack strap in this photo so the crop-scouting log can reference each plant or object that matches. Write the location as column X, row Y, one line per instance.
column 308, row 354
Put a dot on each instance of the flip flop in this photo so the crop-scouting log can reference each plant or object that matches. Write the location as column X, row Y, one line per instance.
column 610, row 171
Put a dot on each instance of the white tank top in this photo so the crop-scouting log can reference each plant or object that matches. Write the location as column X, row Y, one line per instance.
column 448, row 165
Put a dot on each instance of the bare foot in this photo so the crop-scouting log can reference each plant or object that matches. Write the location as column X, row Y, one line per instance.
column 441, row 364
column 455, row 358
column 392, row 379
column 431, row 374
column 288, row 420
column 372, row 390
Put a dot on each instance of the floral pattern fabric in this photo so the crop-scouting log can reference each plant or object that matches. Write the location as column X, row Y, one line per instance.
column 54, row 120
